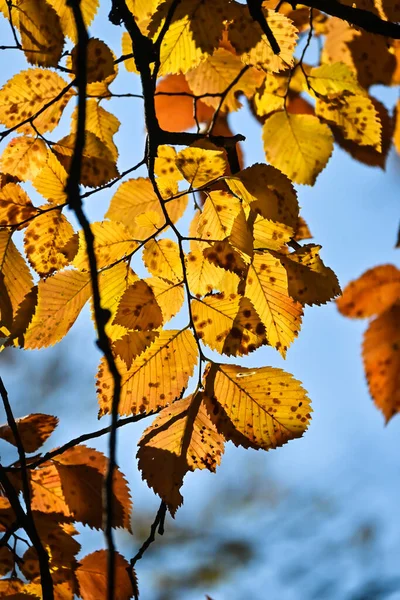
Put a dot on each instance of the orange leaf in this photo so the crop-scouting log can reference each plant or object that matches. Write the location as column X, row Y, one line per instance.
column 92, row 577
column 33, row 430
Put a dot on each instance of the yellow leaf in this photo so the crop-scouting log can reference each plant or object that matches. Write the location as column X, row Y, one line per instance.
column 100, row 60
column 26, row 93
column 297, row 145
column 268, row 192
column 302, row 230
column 334, row 78
column 136, row 197
column 381, row 354
column 310, row 281
column 51, row 181
column 24, row 157
column 45, row 240
column 267, row 288
column 113, row 283
column 165, row 163
column 126, row 45
column 162, row 258
column 181, row 438
column 200, row 166
column 98, row 162
column 223, row 254
column 251, row 43
column 138, row 308
column 218, row 216
column 193, row 32
column 15, row 279
column 271, row 97
column 241, row 237
column 132, row 344
column 355, row 115
column 102, row 123
column 216, row 73
column 112, row 241
column 41, row 34
column 202, row 275
column 228, row 324
column 15, row 205
column 155, row 379
column 259, row 408
column 372, row 293
column 270, row 235
column 169, row 296
column 33, row 430
column 61, row 298
column 88, row 7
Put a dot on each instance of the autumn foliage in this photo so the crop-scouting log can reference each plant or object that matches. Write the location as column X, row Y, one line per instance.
column 222, row 245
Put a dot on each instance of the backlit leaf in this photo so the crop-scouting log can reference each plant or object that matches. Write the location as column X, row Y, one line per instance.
column 33, row 430
column 169, row 296
column 102, row 123
column 132, row 344
column 138, row 308
column 259, row 408
column 41, row 34
column 155, row 379
column 181, row 438
column 92, row 576
column 218, row 215
column 112, row 241
column 202, row 275
column 200, row 166
column 162, row 258
column 24, row 157
column 51, row 181
column 298, row 145
column 61, row 298
column 381, row 354
column 64, row 11
column 165, row 162
column 113, row 283
column 15, row 205
column 100, row 60
column 334, row 78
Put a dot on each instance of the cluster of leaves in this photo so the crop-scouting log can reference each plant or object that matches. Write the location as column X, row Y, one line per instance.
column 239, row 273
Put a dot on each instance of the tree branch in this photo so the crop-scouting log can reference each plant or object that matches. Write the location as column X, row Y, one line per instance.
column 255, row 10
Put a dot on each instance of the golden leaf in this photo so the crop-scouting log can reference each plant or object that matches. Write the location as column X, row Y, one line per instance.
column 251, row 43
column 181, row 438
column 241, row 237
column 102, row 123
column 310, row 281
column 61, row 298
column 100, row 60
column 176, row 112
column 51, row 181
column 15, row 205
column 218, row 216
column 333, row 78
column 15, row 279
column 41, row 34
column 155, row 379
column 113, row 283
column 228, row 324
column 372, row 293
column 92, row 576
column 355, row 115
column 112, row 241
column 200, row 166
column 258, row 408
column 381, row 354
column 26, row 93
column 271, row 96
column 298, row 145
column 162, row 258
column 88, row 7
column 24, row 157
column 135, row 197
column 216, row 73
column 202, row 275
column 138, row 308
column 267, row 288
column 33, row 430
column 98, row 162
column 193, row 32
column 45, row 240
column 223, row 254
column 132, row 344
column 165, row 162
column 169, row 296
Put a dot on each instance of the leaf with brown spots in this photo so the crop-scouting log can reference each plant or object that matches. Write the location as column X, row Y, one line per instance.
column 24, row 157
column 267, row 287
column 92, row 577
column 45, row 240
column 155, row 379
column 61, row 299
column 26, row 93
column 309, row 280
column 88, row 7
column 169, row 296
column 165, row 163
column 112, row 241
column 15, row 205
column 102, row 123
column 372, row 293
column 223, row 254
column 258, row 408
column 51, row 181
column 218, row 216
column 100, row 60
column 202, row 275
column 200, row 166
column 41, row 34
column 181, row 438
column 138, row 308
column 162, row 258
column 33, row 430
column 381, row 355
column 15, row 589
column 98, row 161
column 132, row 344
column 228, row 324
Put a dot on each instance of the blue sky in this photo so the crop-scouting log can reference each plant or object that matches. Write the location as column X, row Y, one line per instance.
column 353, row 212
